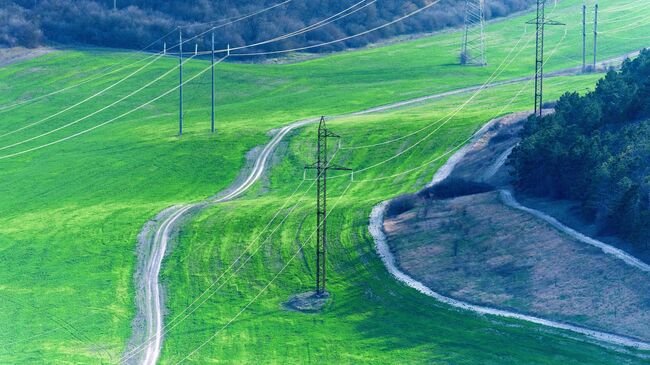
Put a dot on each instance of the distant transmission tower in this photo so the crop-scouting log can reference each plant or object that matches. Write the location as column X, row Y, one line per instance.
column 584, row 36
column 595, row 34
column 540, row 21
column 322, row 165
column 473, row 48
column 180, row 81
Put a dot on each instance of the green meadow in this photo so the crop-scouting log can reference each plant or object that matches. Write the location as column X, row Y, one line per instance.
column 72, row 209
column 371, row 318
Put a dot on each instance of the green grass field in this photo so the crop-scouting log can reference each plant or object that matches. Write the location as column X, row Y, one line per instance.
column 71, row 211
column 370, row 313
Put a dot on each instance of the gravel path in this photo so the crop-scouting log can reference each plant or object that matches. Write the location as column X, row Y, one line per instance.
column 381, row 244
column 150, row 306
column 376, row 230
column 509, row 200
column 149, row 297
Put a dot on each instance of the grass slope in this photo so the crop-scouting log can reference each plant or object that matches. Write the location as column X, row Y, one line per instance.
column 371, row 318
column 71, row 211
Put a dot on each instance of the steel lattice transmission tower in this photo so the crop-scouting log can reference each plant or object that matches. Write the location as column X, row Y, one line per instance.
column 322, row 165
column 540, row 22
column 473, row 48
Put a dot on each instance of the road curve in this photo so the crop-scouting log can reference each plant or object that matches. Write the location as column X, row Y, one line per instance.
column 377, row 232
column 152, row 304
column 508, row 199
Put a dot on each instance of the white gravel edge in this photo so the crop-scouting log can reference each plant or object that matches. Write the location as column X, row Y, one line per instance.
column 508, row 199
column 381, row 245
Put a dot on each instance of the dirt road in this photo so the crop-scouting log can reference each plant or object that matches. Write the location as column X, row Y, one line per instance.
column 148, row 325
column 150, row 300
column 376, row 228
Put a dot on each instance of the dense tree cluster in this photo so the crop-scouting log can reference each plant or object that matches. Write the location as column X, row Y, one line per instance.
column 136, row 23
column 596, row 149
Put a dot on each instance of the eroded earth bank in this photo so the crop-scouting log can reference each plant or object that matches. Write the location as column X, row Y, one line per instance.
column 467, row 238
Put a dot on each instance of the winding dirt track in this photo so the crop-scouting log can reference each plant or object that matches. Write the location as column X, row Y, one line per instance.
column 151, row 303
column 509, row 200
column 376, row 230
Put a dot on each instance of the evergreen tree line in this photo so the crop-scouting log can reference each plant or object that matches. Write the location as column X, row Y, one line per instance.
column 136, row 23
column 595, row 149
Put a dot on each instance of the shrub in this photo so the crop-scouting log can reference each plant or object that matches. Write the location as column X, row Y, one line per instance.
column 452, row 188
column 401, row 204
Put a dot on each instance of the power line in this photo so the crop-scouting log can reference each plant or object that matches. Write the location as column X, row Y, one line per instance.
column 496, row 73
column 459, row 145
column 93, row 113
column 175, row 324
column 227, row 50
column 99, row 93
column 103, row 74
column 413, row 13
column 333, row 18
column 110, row 120
column 239, row 18
column 185, row 314
column 277, row 275
column 17, row 104
column 448, row 119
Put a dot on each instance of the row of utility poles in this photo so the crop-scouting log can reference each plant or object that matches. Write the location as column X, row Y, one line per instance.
column 472, row 53
column 473, row 43
column 540, row 22
column 180, row 80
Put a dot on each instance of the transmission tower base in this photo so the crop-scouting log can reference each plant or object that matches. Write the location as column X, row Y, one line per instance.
column 309, row 302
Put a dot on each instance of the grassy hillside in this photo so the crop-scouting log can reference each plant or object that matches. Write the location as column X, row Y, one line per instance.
column 369, row 313
column 71, row 211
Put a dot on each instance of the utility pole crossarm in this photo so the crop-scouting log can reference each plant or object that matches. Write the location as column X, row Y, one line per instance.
column 547, row 22
column 330, row 167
